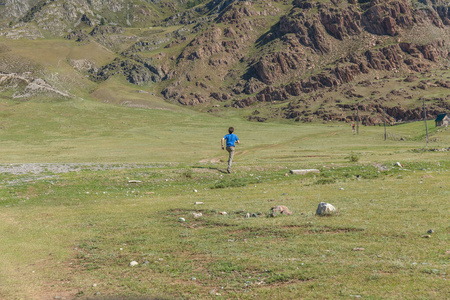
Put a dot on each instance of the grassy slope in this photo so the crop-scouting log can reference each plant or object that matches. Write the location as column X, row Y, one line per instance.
column 87, row 131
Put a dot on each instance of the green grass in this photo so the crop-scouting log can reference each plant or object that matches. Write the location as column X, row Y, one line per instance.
column 71, row 231
column 74, row 234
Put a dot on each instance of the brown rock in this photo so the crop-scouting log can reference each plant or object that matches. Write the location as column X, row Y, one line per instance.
column 281, row 209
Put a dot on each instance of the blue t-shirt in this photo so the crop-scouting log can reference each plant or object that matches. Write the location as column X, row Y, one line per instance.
column 231, row 139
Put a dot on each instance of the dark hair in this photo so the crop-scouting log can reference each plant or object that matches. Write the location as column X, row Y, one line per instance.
column 230, row 130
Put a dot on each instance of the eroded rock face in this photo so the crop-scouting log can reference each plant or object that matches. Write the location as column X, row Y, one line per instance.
column 385, row 59
column 271, row 67
column 386, row 17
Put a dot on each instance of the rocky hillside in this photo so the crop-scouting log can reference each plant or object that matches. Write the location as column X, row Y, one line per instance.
column 305, row 60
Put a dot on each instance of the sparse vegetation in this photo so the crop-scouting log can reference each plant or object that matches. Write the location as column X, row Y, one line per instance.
column 353, row 157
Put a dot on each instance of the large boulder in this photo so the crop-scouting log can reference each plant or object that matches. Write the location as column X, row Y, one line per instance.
column 325, row 209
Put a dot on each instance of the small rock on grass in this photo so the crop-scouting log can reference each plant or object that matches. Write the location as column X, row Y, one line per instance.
column 304, row 171
column 133, row 263
column 281, row 209
column 358, row 249
column 430, row 231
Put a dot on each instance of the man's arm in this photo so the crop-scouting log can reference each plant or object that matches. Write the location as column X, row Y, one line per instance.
column 221, row 142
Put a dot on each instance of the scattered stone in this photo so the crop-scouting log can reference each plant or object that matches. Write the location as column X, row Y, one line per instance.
column 304, row 171
column 247, row 215
column 197, row 215
column 223, row 213
column 325, row 209
column 281, row 209
column 182, row 219
column 254, row 215
column 198, row 203
column 195, row 191
column 430, row 231
column 134, row 181
column 133, row 263
column 427, row 236
column 358, row 249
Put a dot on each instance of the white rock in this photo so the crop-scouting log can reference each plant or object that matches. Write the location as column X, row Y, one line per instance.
column 182, row 219
column 304, row 171
column 325, row 209
column 133, row 263
column 197, row 215
column 134, row 181
column 198, row 203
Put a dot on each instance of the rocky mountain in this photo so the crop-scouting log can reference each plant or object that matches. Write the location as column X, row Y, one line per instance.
column 302, row 59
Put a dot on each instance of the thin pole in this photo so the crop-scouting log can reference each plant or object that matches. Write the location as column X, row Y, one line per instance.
column 425, row 119
column 357, row 120
column 384, row 120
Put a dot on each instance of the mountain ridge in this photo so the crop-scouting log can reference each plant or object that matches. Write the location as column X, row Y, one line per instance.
column 304, row 60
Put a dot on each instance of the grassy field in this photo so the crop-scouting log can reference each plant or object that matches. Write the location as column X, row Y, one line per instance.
column 73, row 235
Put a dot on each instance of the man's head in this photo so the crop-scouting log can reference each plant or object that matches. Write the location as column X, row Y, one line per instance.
column 231, row 130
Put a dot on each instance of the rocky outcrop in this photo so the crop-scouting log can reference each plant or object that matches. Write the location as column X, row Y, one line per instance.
column 13, row 9
column 271, row 67
column 26, row 85
column 389, row 58
column 387, row 17
column 78, row 36
column 138, row 73
column 105, row 30
column 341, row 23
column 309, row 32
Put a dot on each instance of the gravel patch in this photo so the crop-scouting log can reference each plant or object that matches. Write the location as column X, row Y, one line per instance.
column 37, row 168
